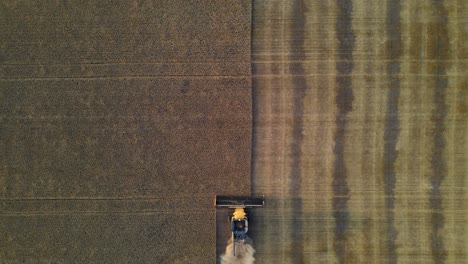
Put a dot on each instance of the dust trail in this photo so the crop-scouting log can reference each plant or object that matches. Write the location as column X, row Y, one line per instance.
column 244, row 253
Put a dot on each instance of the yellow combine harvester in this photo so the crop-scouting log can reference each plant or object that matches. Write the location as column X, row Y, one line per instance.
column 239, row 220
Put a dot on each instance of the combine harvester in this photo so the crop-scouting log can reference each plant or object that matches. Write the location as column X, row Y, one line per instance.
column 239, row 220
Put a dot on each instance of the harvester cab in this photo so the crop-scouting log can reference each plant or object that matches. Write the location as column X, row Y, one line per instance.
column 239, row 225
column 239, row 219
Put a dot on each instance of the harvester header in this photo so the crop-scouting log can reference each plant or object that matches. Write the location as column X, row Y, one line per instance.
column 239, row 201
